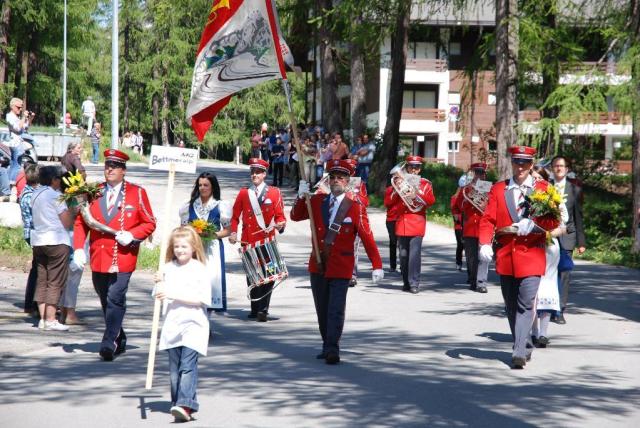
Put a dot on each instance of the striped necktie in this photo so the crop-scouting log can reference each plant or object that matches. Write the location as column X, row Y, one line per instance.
column 111, row 199
column 520, row 203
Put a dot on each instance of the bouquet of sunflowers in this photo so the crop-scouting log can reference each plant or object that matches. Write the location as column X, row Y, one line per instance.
column 545, row 207
column 207, row 231
column 77, row 191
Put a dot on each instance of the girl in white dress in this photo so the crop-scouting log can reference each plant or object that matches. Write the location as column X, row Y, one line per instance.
column 205, row 204
column 183, row 287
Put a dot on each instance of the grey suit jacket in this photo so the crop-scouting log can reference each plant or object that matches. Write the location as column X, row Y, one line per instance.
column 575, row 230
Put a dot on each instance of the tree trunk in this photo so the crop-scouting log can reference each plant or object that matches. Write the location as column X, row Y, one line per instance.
column 330, row 102
column 5, row 16
column 165, row 113
column 506, row 82
column 550, row 81
column 386, row 156
column 635, row 133
column 358, row 92
column 24, row 67
column 155, row 108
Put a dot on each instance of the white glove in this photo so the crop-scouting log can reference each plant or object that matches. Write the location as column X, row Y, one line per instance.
column 79, row 257
column 74, row 266
column 525, row 226
column 486, row 253
column 377, row 275
column 303, row 189
column 124, row 238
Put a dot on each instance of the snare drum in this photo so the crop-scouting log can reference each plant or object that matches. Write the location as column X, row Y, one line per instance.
column 262, row 262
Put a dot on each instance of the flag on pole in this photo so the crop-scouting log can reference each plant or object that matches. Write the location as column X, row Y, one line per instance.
column 241, row 46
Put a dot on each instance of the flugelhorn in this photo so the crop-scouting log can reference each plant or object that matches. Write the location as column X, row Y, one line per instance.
column 475, row 197
column 90, row 220
column 406, row 186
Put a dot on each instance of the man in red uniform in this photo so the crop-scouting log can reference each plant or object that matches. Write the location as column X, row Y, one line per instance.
column 338, row 220
column 392, row 216
column 124, row 207
column 520, row 258
column 411, row 225
column 471, row 216
column 261, row 210
column 457, row 222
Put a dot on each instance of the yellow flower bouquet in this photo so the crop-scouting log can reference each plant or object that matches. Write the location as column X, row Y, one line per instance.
column 207, row 231
column 545, row 207
column 78, row 191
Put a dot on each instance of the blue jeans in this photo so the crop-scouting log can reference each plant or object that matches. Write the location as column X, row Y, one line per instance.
column 362, row 171
column 183, row 373
column 5, row 188
column 96, row 151
column 14, row 166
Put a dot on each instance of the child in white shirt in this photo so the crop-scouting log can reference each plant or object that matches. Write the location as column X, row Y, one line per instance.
column 183, row 286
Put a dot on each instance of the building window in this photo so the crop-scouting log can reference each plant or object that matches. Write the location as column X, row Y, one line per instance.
column 422, row 50
column 493, row 145
column 418, row 99
column 455, row 48
column 454, row 146
column 492, row 98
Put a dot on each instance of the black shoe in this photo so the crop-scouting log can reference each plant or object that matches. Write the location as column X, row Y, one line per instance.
column 121, row 348
column 518, row 362
column 534, row 340
column 252, row 315
column 321, row 356
column 106, row 353
column 560, row 319
column 392, row 270
column 473, row 287
column 528, row 358
column 353, row 281
column 332, row 358
column 406, row 288
column 543, row 342
column 415, row 290
column 481, row 289
column 262, row 317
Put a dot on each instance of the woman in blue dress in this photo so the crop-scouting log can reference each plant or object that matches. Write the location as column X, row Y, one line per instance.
column 205, row 204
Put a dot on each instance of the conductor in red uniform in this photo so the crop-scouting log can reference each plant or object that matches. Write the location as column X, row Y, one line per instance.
column 520, row 257
column 124, row 207
column 261, row 210
column 338, row 220
column 412, row 225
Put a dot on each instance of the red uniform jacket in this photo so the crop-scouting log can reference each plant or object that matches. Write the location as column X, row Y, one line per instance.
column 414, row 224
column 470, row 216
column 138, row 219
column 272, row 209
column 455, row 211
column 392, row 208
column 518, row 256
column 341, row 261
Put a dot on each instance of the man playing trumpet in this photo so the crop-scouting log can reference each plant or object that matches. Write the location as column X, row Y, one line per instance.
column 471, row 202
column 412, row 202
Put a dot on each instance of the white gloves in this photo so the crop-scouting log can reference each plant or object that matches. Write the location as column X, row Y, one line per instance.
column 525, row 226
column 124, row 238
column 377, row 275
column 303, row 189
column 486, row 253
column 79, row 258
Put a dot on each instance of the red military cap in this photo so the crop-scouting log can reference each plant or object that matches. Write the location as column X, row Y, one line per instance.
column 113, row 155
column 258, row 163
column 414, row 160
column 479, row 165
column 341, row 166
column 353, row 164
column 522, row 152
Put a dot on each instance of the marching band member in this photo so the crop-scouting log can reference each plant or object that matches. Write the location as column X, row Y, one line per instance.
column 338, row 220
column 520, row 258
column 392, row 216
column 261, row 209
column 125, row 207
column 471, row 215
column 411, row 226
column 457, row 222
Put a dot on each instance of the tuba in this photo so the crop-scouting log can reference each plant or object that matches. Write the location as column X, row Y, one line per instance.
column 406, row 186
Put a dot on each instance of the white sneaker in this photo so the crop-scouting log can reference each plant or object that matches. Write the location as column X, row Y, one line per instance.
column 55, row 325
column 41, row 324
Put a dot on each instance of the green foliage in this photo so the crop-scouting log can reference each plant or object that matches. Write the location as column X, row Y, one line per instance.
column 444, row 179
column 13, row 243
column 607, row 212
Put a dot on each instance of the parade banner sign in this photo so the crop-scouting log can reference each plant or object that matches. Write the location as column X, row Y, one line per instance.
column 184, row 160
column 240, row 47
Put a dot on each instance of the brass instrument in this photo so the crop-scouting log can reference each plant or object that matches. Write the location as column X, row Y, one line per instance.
column 406, row 186
column 476, row 198
column 89, row 219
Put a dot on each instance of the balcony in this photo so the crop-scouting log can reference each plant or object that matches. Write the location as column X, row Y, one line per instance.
column 437, row 65
column 434, row 114
column 589, row 66
column 600, row 118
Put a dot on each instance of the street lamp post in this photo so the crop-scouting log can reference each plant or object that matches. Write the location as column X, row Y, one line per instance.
column 64, row 71
column 114, row 77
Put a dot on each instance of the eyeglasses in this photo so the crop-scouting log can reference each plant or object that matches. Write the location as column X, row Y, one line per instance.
column 112, row 166
column 337, row 177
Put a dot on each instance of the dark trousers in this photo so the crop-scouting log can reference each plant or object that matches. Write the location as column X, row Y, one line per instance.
column 30, row 291
column 330, row 299
column 112, row 290
column 278, row 171
column 410, row 259
column 262, row 292
column 471, row 251
column 565, row 280
column 459, row 246
column 183, row 374
column 519, row 296
column 393, row 244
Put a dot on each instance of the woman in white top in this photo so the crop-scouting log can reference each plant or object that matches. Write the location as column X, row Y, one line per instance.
column 205, row 204
column 51, row 245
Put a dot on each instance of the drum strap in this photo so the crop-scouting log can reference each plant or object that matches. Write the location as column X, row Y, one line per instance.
column 334, row 228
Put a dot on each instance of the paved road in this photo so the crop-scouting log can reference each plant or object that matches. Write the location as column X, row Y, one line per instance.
column 440, row 358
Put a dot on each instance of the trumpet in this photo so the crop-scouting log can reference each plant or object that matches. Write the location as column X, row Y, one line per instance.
column 406, row 186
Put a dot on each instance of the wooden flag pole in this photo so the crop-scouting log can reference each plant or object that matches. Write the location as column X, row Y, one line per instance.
column 302, row 170
column 164, row 241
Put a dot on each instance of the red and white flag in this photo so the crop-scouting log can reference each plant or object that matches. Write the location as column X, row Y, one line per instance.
column 241, row 46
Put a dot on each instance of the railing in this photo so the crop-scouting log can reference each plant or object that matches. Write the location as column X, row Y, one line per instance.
column 424, row 64
column 588, row 66
column 601, row 118
column 438, row 115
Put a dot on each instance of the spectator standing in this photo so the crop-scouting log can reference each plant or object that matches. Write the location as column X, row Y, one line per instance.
column 341, row 150
column 51, row 245
column 31, row 176
column 96, row 135
column 364, row 153
column 309, row 151
column 18, row 119
column 255, row 144
column 278, row 156
column 71, row 160
column 88, row 112
column 264, row 145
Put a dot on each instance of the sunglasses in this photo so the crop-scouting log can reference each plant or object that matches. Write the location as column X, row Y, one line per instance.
column 113, row 165
column 522, row 161
column 337, row 177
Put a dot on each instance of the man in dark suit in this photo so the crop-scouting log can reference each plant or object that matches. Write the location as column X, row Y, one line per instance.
column 575, row 231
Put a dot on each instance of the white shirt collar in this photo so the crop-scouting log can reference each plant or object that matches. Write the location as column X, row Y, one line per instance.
column 260, row 187
column 338, row 198
column 562, row 182
column 115, row 188
column 528, row 182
